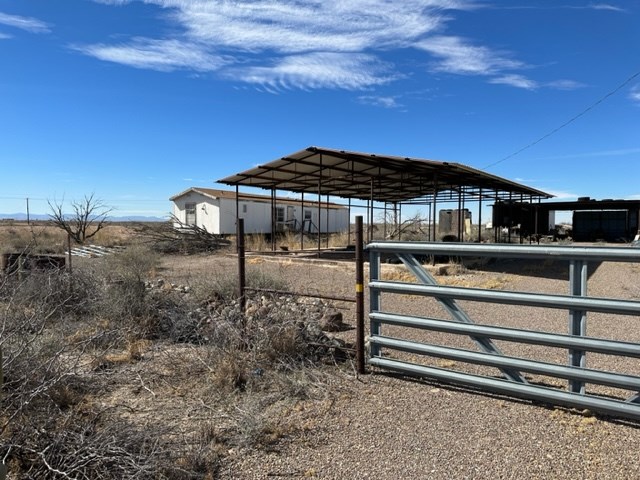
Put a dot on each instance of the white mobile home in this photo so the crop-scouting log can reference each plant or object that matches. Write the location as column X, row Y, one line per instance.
column 215, row 211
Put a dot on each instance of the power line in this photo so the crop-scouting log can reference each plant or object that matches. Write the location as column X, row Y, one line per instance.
column 571, row 120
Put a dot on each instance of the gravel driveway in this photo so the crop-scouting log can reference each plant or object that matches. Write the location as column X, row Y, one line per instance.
column 385, row 427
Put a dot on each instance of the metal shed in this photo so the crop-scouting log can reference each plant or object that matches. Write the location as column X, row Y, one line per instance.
column 382, row 181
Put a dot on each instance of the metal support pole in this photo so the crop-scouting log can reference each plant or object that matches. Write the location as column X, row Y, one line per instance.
column 577, row 318
column 368, row 222
column 302, row 222
column 360, row 362
column 400, row 221
column 237, row 213
column 273, row 220
column 510, row 216
column 371, row 222
column 464, row 217
column 349, row 223
column 328, row 229
column 459, row 232
column 521, row 217
column 480, row 216
column 384, row 228
column 319, row 203
column 435, row 207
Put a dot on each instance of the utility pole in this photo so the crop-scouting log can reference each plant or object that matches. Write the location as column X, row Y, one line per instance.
column 28, row 219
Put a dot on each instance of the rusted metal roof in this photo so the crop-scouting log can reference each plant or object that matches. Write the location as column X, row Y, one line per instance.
column 383, row 178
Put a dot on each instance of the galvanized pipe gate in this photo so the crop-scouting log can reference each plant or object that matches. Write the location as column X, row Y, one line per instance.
column 577, row 303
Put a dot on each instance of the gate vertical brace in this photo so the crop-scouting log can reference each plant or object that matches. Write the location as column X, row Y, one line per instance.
column 360, row 362
column 374, row 300
column 459, row 315
column 577, row 319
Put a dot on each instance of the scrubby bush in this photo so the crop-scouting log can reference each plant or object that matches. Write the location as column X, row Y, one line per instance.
column 66, row 337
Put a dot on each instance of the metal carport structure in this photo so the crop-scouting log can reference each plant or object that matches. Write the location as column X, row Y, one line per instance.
column 383, row 179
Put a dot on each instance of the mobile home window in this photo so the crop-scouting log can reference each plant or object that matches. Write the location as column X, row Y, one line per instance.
column 307, row 214
column 280, row 214
column 244, row 208
column 190, row 213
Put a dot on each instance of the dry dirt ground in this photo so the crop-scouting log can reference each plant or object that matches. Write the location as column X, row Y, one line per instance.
column 386, row 427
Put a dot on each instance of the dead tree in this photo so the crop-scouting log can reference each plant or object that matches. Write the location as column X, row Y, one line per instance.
column 413, row 228
column 88, row 218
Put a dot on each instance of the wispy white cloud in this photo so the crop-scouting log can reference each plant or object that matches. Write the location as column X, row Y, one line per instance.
column 515, row 80
column 380, row 101
column 634, row 93
column 284, row 43
column 317, row 70
column 5, row 36
column 457, row 55
column 605, row 6
column 162, row 55
column 565, row 85
column 311, row 25
column 559, row 6
column 29, row 24
column 310, row 43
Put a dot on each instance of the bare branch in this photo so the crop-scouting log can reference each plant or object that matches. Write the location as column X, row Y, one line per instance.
column 90, row 215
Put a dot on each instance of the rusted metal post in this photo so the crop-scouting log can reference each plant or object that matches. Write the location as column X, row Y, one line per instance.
column 241, row 268
column 359, row 297
column 69, row 252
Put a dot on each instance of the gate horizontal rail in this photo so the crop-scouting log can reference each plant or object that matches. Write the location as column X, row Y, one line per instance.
column 603, row 305
column 491, row 360
column 596, row 345
column 577, row 303
column 537, row 393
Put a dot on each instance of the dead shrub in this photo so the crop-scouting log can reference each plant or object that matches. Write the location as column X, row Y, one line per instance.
column 230, row 371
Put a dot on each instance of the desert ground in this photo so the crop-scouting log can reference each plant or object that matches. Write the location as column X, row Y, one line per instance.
column 140, row 365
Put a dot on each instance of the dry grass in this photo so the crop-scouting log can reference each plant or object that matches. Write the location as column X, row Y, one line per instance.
column 42, row 237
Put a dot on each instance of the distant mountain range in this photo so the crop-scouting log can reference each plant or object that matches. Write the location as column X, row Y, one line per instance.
column 22, row 217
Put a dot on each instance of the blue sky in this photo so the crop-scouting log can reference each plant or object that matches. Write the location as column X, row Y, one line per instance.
column 138, row 100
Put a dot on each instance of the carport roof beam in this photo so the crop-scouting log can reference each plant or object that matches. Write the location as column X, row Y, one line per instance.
column 348, row 174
